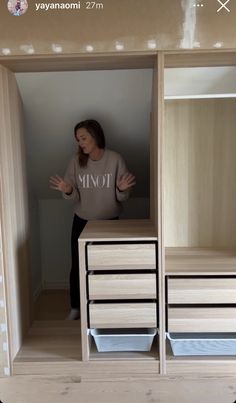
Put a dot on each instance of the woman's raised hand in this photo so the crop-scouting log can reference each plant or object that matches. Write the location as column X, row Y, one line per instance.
column 58, row 183
column 125, row 182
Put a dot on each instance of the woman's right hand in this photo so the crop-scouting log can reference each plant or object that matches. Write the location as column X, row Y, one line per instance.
column 58, row 183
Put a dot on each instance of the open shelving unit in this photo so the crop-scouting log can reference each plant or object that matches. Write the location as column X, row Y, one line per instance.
column 192, row 224
column 199, row 218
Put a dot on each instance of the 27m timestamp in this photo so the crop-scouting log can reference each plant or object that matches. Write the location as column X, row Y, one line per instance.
column 94, row 5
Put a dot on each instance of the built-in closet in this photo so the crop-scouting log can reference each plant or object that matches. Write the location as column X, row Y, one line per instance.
column 184, row 249
column 119, row 94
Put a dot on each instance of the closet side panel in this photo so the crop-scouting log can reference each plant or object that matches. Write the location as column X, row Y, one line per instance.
column 154, row 149
column 4, row 335
column 14, row 212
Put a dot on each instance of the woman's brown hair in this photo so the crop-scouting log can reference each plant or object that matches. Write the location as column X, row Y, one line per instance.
column 96, row 130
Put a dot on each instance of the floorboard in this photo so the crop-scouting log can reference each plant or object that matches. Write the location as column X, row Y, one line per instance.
column 55, row 389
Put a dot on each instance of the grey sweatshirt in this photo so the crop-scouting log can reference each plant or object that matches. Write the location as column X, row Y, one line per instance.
column 94, row 186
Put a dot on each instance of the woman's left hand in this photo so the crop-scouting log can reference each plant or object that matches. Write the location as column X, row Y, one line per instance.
column 125, row 182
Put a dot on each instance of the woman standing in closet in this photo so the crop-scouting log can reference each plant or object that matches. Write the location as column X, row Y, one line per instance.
column 98, row 181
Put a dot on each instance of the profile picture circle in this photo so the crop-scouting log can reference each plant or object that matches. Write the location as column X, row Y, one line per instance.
column 17, row 7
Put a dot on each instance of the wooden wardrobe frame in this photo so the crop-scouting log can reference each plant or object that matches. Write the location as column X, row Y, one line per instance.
column 132, row 60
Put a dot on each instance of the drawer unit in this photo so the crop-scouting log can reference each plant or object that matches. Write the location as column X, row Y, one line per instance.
column 118, row 286
column 207, row 319
column 122, row 315
column 202, row 290
column 200, row 309
column 121, row 256
column 122, row 286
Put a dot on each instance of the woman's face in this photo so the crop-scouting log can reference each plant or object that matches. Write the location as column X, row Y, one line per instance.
column 86, row 141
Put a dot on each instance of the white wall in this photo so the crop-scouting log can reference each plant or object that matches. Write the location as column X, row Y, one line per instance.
column 53, row 103
column 200, row 82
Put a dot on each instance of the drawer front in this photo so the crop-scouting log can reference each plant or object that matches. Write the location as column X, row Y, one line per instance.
column 122, row 315
column 201, row 320
column 122, row 286
column 202, row 291
column 121, row 256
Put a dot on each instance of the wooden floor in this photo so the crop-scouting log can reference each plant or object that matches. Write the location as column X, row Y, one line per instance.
column 60, row 389
column 52, row 336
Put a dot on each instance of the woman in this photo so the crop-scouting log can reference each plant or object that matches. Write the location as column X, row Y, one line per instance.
column 98, row 181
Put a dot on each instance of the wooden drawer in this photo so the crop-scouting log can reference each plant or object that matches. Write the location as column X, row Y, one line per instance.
column 125, row 286
column 121, row 256
column 122, row 315
column 202, row 320
column 202, row 291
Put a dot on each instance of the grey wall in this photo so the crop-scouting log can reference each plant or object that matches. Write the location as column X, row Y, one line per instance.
column 53, row 103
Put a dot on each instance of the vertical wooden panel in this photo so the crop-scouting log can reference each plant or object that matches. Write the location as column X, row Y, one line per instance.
column 200, row 173
column 14, row 211
column 159, row 207
column 83, row 301
column 4, row 334
column 153, row 148
column 156, row 185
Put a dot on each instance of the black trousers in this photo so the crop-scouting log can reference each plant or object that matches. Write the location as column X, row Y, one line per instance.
column 77, row 227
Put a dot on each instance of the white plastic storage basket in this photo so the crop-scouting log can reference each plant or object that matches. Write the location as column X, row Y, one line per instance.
column 123, row 339
column 203, row 343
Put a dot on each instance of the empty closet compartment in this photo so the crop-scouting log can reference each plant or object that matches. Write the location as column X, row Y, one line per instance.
column 44, row 108
column 199, row 215
column 199, row 158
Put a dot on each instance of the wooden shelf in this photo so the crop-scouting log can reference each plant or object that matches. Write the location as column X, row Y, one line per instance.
column 214, row 365
column 119, row 230
column 199, row 261
column 51, row 340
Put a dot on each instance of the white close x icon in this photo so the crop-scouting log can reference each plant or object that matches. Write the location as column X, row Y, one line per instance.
column 223, row 5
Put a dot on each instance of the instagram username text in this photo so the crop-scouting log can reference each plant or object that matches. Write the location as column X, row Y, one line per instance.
column 88, row 5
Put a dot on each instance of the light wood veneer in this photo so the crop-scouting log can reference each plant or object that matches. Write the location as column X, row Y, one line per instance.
column 121, row 256
column 202, row 291
column 122, row 315
column 114, row 286
column 200, row 261
column 202, row 319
